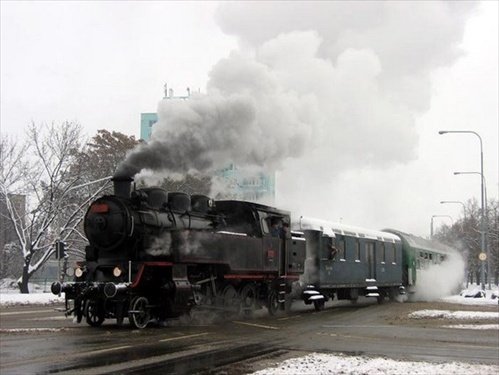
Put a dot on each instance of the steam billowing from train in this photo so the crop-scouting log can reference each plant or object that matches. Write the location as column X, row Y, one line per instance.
column 330, row 85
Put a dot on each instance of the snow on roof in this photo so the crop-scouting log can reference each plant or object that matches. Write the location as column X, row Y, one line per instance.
column 331, row 228
column 422, row 243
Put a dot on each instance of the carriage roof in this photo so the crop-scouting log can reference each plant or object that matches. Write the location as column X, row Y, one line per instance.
column 419, row 243
column 332, row 229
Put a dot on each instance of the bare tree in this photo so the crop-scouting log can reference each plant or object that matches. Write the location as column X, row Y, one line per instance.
column 104, row 152
column 43, row 171
column 189, row 184
column 465, row 236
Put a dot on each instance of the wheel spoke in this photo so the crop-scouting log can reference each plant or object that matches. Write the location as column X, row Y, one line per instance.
column 140, row 315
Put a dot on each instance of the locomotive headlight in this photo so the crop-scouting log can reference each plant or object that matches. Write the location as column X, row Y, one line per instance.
column 117, row 271
column 78, row 272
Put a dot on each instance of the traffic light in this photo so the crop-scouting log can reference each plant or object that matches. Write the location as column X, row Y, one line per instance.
column 60, row 251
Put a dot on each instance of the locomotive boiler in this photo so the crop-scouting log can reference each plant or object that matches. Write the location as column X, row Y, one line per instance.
column 154, row 254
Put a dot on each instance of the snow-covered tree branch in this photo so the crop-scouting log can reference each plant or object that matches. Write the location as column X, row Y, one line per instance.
column 46, row 185
column 38, row 185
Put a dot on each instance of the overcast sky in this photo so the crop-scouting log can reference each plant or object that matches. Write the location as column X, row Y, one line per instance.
column 344, row 99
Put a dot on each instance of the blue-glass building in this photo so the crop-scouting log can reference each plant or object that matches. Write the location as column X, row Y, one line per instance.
column 247, row 186
column 147, row 120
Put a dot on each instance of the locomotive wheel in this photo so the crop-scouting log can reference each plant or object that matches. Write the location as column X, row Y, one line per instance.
column 230, row 300
column 78, row 310
column 248, row 299
column 139, row 315
column 273, row 303
column 94, row 313
column 392, row 294
column 381, row 298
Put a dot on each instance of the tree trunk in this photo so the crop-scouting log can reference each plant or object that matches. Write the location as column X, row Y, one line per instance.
column 23, row 282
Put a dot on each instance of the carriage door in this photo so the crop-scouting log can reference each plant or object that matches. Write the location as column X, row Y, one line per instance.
column 270, row 243
column 371, row 260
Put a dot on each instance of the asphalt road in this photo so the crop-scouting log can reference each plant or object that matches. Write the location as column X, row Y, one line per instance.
column 38, row 339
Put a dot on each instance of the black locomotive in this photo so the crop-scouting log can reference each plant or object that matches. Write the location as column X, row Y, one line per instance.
column 154, row 255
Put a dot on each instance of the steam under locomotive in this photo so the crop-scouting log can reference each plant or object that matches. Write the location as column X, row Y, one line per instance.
column 155, row 255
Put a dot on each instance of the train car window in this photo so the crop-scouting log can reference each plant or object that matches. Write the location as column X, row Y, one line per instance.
column 240, row 218
column 329, row 250
column 394, row 261
column 357, row 249
column 369, row 251
column 383, row 253
column 264, row 221
column 340, row 246
column 430, row 256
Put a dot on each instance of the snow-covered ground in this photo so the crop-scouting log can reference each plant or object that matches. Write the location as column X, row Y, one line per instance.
column 458, row 315
column 9, row 299
column 9, row 294
column 319, row 363
column 475, row 296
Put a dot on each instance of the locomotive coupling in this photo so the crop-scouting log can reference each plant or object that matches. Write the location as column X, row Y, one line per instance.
column 58, row 287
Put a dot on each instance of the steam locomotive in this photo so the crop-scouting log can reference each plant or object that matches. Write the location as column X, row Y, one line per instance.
column 155, row 255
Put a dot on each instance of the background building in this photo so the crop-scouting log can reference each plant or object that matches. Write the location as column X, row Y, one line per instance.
column 11, row 260
column 147, row 120
column 250, row 187
column 239, row 183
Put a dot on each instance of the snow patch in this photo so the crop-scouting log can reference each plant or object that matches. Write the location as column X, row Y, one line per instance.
column 474, row 296
column 317, row 363
column 9, row 299
column 9, row 285
column 31, row 330
column 459, row 315
column 484, row 327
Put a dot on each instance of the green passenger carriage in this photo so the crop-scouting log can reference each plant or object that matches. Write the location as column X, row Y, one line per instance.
column 419, row 254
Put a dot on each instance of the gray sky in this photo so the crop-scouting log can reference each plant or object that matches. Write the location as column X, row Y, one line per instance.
column 345, row 99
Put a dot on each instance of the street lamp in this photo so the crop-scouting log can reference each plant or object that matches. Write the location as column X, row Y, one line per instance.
column 431, row 225
column 482, row 221
column 458, row 202
column 484, row 184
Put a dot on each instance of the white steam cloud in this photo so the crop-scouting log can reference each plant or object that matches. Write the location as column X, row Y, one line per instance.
column 440, row 280
column 315, row 88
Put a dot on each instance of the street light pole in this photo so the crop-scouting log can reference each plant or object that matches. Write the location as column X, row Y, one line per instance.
column 458, row 202
column 482, row 221
column 484, row 184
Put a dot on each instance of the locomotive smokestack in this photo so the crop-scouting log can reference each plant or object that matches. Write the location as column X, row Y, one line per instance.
column 122, row 186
